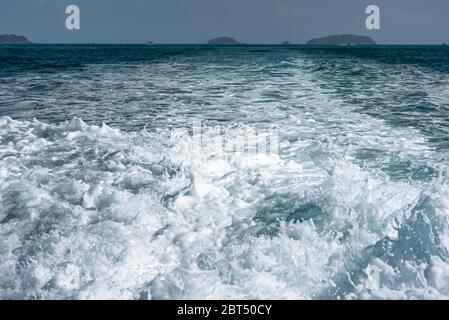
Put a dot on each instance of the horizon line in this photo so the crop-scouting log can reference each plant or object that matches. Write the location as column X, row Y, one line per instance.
column 230, row 45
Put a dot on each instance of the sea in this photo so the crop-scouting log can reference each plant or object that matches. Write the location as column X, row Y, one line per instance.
column 103, row 196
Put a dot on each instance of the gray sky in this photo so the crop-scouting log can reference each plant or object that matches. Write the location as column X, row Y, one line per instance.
column 249, row 21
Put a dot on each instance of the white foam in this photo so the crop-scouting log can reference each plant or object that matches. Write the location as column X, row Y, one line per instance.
column 94, row 212
column 91, row 212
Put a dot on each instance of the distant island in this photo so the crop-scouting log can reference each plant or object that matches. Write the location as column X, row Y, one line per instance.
column 223, row 40
column 13, row 39
column 343, row 39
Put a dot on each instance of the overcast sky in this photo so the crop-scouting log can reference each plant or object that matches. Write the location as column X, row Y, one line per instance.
column 249, row 21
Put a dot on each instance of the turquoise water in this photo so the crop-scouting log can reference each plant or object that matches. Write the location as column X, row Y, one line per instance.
column 99, row 197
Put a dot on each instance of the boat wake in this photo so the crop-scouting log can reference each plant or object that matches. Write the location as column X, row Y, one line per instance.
column 92, row 212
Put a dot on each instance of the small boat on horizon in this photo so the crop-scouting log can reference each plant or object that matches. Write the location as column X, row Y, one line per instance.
column 151, row 43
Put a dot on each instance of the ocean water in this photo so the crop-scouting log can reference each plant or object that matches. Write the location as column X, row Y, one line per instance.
column 100, row 198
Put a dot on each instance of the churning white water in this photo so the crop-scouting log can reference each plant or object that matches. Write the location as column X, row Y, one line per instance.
column 352, row 207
